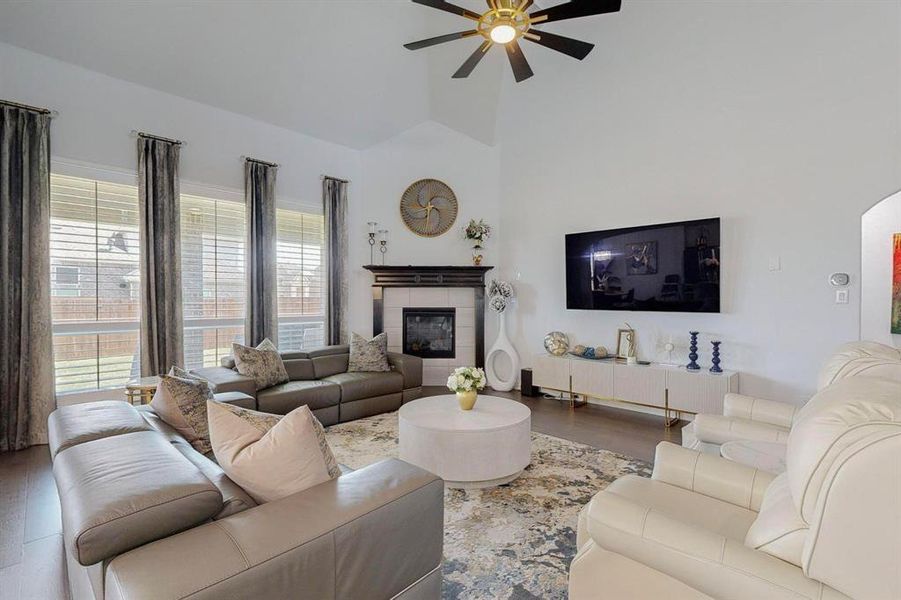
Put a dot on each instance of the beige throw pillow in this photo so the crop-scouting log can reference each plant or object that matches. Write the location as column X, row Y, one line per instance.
column 368, row 355
column 181, row 401
column 268, row 455
column 263, row 363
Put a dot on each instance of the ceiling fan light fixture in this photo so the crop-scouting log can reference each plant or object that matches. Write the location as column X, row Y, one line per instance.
column 503, row 33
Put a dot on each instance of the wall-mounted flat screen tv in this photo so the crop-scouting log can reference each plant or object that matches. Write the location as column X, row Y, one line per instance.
column 672, row 267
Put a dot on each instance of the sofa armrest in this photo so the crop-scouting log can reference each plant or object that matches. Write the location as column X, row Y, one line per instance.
column 759, row 410
column 408, row 366
column 227, row 380
column 368, row 534
column 711, row 475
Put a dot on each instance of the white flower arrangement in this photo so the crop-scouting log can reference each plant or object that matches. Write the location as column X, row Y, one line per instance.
column 497, row 303
column 467, row 379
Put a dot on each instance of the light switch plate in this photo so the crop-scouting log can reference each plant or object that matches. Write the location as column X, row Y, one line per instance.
column 775, row 263
column 841, row 296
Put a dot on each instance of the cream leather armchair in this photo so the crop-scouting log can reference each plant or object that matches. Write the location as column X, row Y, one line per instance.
column 704, row 527
column 760, row 420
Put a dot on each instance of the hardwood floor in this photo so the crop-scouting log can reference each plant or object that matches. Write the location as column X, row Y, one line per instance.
column 32, row 563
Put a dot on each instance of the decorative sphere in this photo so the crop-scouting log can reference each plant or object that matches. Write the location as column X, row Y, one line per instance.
column 556, row 343
column 600, row 352
column 579, row 349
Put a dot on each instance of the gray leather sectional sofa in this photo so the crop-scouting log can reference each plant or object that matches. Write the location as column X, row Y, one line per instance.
column 319, row 379
column 145, row 516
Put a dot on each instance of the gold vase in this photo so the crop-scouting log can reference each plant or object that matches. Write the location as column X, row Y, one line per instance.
column 476, row 256
column 467, row 399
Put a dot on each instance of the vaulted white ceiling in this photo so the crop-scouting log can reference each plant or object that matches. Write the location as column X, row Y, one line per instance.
column 333, row 69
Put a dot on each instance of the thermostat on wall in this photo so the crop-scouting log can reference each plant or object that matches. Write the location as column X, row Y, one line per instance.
column 839, row 279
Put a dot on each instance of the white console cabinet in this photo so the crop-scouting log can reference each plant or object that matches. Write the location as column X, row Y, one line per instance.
column 671, row 389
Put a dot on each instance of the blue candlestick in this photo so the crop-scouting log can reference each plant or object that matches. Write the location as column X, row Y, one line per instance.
column 693, row 352
column 716, row 358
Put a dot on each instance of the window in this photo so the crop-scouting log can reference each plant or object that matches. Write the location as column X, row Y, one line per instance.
column 94, row 283
column 301, row 266
column 213, row 283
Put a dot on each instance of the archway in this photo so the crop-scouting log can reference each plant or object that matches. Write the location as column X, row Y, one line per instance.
column 878, row 228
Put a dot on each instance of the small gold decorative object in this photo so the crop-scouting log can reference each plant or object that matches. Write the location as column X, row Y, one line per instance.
column 601, row 352
column 579, row 349
column 467, row 399
column 428, row 207
column 476, row 257
column 556, row 343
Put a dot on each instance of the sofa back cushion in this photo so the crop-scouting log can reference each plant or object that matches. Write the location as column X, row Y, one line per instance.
column 861, row 359
column 299, row 369
column 330, row 364
column 120, row 492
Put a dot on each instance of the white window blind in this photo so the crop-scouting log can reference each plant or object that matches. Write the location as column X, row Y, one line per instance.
column 301, row 274
column 95, row 283
column 213, row 277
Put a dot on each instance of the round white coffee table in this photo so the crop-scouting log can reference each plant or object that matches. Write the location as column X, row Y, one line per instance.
column 486, row 446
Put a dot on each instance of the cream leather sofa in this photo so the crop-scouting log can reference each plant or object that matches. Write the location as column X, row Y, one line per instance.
column 703, row 527
column 145, row 516
column 757, row 419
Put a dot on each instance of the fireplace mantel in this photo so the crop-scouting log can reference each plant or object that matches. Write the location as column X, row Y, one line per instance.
column 398, row 276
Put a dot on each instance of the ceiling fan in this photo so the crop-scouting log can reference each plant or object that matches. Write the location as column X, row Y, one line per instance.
column 506, row 21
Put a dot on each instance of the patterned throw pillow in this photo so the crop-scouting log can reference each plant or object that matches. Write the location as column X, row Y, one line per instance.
column 368, row 355
column 263, row 363
column 181, row 401
column 268, row 455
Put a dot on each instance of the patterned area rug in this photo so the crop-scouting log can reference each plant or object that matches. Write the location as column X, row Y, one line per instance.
column 513, row 541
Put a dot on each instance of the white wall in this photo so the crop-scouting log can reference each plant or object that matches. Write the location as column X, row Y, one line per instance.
column 781, row 118
column 429, row 150
column 878, row 225
column 97, row 113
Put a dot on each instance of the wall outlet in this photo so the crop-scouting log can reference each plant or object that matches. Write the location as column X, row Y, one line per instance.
column 775, row 263
column 841, row 296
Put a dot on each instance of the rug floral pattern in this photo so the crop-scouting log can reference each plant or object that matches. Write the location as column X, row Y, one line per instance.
column 509, row 542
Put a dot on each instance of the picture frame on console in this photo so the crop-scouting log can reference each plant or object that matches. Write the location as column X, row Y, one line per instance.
column 625, row 343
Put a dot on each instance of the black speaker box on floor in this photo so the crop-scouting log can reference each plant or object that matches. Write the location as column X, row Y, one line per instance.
column 527, row 389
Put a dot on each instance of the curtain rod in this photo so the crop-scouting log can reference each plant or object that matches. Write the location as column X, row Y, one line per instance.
column 141, row 134
column 37, row 109
column 262, row 162
column 335, row 178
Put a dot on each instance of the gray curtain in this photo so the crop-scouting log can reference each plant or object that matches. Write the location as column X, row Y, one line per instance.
column 334, row 199
column 162, row 334
column 26, row 350
column 261, row 321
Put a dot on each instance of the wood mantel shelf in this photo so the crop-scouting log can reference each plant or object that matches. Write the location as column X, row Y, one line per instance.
column 458, row 276
column 428, row 275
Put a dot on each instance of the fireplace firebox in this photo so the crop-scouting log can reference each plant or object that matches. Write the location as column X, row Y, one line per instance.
column 429, row 332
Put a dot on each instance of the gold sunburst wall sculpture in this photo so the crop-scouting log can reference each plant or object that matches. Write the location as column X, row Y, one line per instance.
column 428, row 207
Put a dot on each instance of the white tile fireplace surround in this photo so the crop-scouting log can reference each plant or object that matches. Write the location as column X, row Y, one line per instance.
column 435, row 370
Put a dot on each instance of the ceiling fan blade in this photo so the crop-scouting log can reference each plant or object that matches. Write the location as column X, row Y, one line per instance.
column 451, row 8
column 569, row 46
column 526, row 4
column 450, row 37
column 521, row 68
column 473, row 60
column 574, row 9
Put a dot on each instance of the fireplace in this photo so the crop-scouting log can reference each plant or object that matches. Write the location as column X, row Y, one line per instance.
column 429, row 332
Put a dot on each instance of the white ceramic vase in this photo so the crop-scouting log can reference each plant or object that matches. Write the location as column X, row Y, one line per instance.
column 501, row 345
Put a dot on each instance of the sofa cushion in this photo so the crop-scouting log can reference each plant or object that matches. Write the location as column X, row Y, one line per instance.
column 234, row 499
column 283, row 398
column 72, row 425
column 779, row 529
column 356, row 386
column 118, row 493
column 263, row 363
column 237, row 398
column 181, row 402
column 328, row 351
column 226, row 379
column 271, row 456
column 299, row 369
column 367, row 356
column 330, row 364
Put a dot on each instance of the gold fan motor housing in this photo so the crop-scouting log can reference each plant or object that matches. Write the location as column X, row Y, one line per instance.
column 505, row 12
column 428, row 207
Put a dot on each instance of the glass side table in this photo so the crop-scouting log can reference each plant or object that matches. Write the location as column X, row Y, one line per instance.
column 141, row 389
